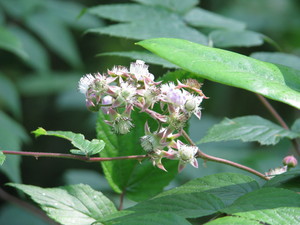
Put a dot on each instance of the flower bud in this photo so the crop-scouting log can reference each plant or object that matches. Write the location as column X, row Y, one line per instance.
column 122, row 125
column 149, row 142
column 290, row 161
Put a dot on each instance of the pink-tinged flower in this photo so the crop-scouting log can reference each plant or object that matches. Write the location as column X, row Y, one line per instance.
column 124, row 94
column 96, row 83
column 290, row 161
column 118, row 71
column 277, row 171
column 140, row 70
column 106, row 103
column 150, row 95
column 186, row 154
column 85, row 82
column 192, row 105
column 170, row 94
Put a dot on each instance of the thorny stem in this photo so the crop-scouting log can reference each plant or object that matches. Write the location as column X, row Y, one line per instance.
column 220, row 160
column 70, row 156
column 12, row 199
column 276, row 115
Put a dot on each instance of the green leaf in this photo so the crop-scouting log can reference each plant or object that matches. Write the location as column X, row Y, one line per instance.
column 187, row 205
column 56, row 35
column 278, row 58
column 202, row 18
column 11, row 43
column 68, row 11
column 70, row 205
column 139, row 30
column 128, row 12
column 267, row 205
column 145, row 56
column 173, row 5
column 12, row 136
column 9, row 96
column 163, row 23
column 150, row 219
column 180, row 75
column 2, row 158
column 37, row 54
column 84, row 146
column 296, row 126
column 248, row 128
column 272, row 81
column 233, row 220
column 288, row 180
column 228, row 38
column 226, row 186
column 138, row 180
column 48, row 83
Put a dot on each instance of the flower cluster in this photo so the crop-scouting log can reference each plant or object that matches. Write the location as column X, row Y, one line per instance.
column 121, row 90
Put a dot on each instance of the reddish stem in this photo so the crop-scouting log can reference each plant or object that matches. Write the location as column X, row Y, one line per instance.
column 70, row 156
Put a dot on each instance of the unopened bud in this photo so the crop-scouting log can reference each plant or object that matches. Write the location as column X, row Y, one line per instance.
column 290, row 161
column 122, row 125
column 149, row 142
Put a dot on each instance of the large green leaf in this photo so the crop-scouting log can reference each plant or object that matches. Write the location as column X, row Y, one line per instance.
column 226, row 186
column 12, row 136
column 138, row 180
column 248, row 128
column 138, row 26
column 70, row 205
column 85, row 147
column 9, row 97
column 272, row 81
column 173, row 5
column 150, row 219
column 145, row 56
column 37, row 54
column 202, row 18
column 268, row 205
column 56, row 35
column 288, row 180
column 11, row 43
column 233, row 220
column 229, row 38
column 49, row 83
column 187, row 205
column 278, row 58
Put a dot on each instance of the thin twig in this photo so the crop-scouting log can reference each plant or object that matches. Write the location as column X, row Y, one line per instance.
column 70, row 156
column 122, row 200
column 224, row 161
column 13, row 200
column 276, row 115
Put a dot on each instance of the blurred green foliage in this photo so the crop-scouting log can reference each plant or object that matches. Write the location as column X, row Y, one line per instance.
column 44, row 49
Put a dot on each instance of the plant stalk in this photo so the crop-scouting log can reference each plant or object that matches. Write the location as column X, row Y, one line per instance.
column 224, row 161
column 279, row 119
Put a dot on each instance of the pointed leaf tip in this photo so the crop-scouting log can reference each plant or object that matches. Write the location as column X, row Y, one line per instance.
column 38, row 132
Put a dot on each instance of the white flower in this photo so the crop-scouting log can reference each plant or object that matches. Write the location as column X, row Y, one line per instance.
column 186, row 154
column 118, row 70
column 85, row 82
column 125, row 93
column 192, row 104
column 140, row 70
column 170, row 94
